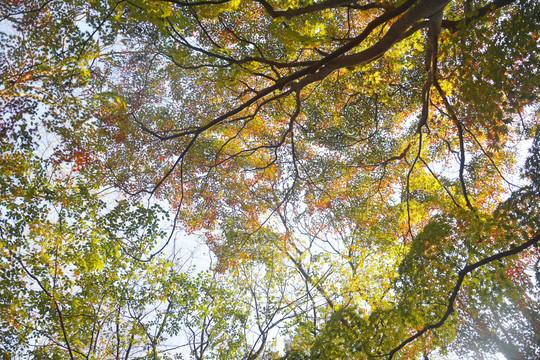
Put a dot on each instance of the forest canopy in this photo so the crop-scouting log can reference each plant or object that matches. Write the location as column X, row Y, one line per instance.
column 363, row 177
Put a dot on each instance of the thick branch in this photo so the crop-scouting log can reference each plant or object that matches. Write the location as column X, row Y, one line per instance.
column 313, row 69
column 328, row 4
column 423, row 9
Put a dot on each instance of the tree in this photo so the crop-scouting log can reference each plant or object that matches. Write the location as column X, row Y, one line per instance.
column 356, row 156
column 69, row 285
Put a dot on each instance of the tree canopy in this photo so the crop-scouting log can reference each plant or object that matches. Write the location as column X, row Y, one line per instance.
column 357, row 171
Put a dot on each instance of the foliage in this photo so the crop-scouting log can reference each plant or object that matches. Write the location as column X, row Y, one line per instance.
column 350, row 166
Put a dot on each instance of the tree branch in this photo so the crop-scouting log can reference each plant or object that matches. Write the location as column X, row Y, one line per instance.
column 461, row 277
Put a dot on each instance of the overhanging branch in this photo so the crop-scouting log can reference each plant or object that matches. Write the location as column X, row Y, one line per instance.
column 453, row 295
